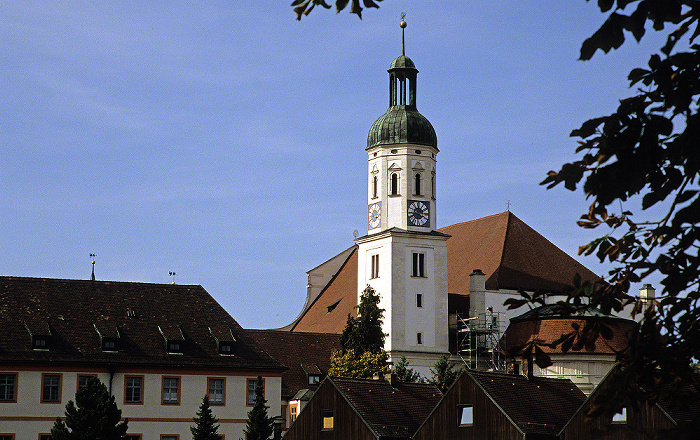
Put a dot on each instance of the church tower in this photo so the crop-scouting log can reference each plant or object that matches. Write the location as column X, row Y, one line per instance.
column 402, row 256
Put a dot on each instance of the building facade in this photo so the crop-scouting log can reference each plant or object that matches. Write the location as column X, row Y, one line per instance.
column 159, row 349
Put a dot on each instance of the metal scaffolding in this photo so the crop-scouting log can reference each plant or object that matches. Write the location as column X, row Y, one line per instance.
column 479, row 341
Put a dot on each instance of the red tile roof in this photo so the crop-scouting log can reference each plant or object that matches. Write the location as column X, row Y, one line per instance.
column 549, row 327
column 510, row 253
column 329, row 312
column 390, row 411
column 77, row 313
column 301, row 352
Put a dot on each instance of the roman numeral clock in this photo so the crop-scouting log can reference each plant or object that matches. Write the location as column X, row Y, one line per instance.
column 418, row 213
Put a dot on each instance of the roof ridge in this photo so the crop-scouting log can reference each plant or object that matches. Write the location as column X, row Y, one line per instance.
column 475, row 220
column 320, row 294
column 74, row 280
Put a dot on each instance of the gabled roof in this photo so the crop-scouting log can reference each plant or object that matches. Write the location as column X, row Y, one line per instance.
column 328, row 313
column 303, row 353
column 510, row 253
column 535, row 405
column 79, row 312
column 389, row 410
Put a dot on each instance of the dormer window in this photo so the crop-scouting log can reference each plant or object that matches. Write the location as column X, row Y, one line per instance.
column 109, row 344
column 314, row 379
column 224, row 340
column 40, row 342
column 175, row 346
column 225, row 347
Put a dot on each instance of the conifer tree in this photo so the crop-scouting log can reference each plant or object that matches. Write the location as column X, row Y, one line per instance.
column 259, row 425
column 443, row 374
column 404, row 373
column 94, row 415
column 206, row 426
column 362, row 340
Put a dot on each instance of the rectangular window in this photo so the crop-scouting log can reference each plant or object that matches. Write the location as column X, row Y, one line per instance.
column 171, row 390
column 375, row 266
column 216, row 391
column 40, row 342
column 314, row 379
column 83, row 378
column 51, row 388
column 418, row 265
column 7, row 437
column 225, row 347
column 326, row 420
column 419, row 338
column 466, row 415
column 251, row 384
column 620, row 418
column 8, row 387
column 133, row 389
column 44, row 436
column 419, row 300
column 169, row 437
column 133, row 437
column 293, row 412
column 109, row 344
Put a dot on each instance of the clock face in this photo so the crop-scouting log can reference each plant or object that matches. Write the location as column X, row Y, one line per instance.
column 375, row 215
column 418, row 213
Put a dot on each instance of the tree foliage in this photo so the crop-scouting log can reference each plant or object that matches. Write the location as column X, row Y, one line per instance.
column 404, row 373
column 259, row 425
column 362, row 340
column 646, row 156
column 444, row 374
column 206, row 426
column 304, row 7
column 94, row 415
column 364, row 333
column 365, row 365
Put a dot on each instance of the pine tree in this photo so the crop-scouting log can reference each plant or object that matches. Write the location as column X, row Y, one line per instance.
column 362, row 340
column 259, row 425
column 206, row 426
column 364, row 333
column 94, row 415
column 443, row 374
column 405, row 374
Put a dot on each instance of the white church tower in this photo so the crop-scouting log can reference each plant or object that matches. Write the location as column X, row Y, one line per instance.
column 402, row 256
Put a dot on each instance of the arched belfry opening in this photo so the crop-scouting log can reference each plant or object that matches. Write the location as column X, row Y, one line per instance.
column 402, row 77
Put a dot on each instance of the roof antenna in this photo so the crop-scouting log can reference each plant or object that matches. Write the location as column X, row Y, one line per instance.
column 403, row 31
column 508, row 206
column 92, row 277
column 172, row 276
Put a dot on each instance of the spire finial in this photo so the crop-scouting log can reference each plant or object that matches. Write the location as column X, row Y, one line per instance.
column 403, row 32
column 92, row 277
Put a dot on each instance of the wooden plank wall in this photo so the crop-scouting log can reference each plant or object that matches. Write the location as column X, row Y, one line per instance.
column 347, row 424
column 489, row 421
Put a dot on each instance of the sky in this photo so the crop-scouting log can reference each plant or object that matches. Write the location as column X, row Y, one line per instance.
column 225, row 141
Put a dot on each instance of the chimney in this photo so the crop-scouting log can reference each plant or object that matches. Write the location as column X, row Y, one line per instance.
column 477, row 293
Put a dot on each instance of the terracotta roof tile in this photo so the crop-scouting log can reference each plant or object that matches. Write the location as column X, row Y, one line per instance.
column 510, row 253
column 548, row 327
column 329, row 312
column 303, row 353
column 78, row 313
column 395, row 411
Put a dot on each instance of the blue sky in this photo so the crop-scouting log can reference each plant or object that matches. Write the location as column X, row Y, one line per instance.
column 224, row 140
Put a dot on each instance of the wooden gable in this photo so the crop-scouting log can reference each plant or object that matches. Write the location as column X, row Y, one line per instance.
column 347, row 424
